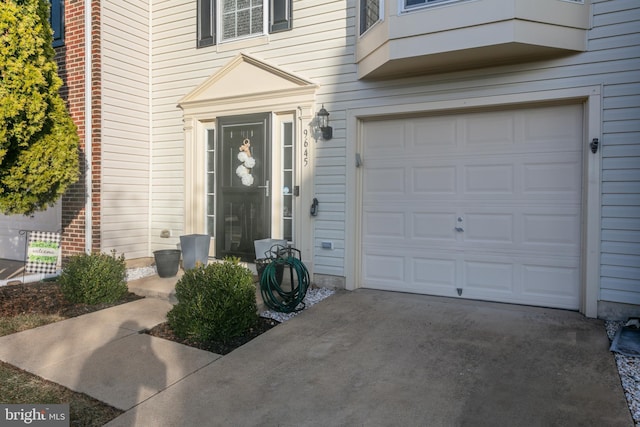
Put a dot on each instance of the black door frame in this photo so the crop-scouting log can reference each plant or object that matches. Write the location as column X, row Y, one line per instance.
column 252, row 202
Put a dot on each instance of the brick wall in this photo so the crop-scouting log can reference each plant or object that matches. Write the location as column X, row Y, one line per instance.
column 71, row 65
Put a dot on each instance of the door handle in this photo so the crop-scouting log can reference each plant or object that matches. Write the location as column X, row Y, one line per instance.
column 459, row 229
column 266, row 188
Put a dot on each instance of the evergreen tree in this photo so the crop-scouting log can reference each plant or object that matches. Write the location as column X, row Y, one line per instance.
column 38, row 139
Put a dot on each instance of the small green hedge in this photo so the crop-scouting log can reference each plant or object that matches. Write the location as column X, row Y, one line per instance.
column 216, row 302
column 94, row 279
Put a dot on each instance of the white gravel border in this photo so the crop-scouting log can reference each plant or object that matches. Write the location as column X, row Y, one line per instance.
column 629, row 370
column 312, row 297
column 139, row 273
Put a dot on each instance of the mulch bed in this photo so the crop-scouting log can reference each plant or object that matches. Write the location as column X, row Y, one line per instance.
column 47, row 298
column 164, row 331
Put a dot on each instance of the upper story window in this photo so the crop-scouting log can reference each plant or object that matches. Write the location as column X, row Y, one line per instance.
column 225, row 20
column 370, row 13
column 242, row 18
column 56, row 19
column 414, row 3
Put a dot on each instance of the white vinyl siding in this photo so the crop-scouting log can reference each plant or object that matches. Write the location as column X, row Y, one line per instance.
column 125, row 128
column 611, row 62
column 616, row 27
column 174, row 54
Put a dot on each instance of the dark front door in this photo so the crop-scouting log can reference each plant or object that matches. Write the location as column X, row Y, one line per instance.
column 243, row 207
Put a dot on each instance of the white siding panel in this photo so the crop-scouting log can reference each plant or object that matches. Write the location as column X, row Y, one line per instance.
column 610, row 293
column 172, row 39
column 620, row 260
column 125, row 127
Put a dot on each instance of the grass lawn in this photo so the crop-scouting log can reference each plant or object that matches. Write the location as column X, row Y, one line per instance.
column 25, row 307
column 18, row 386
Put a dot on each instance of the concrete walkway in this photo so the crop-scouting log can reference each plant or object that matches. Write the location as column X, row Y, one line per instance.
column 367, row 358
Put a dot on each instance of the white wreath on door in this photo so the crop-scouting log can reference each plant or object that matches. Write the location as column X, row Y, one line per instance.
column 248, row 162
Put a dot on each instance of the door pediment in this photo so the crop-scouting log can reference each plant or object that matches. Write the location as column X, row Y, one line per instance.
column 246, row 77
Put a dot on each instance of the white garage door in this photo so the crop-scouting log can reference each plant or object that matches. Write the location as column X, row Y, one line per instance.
column 484, row 205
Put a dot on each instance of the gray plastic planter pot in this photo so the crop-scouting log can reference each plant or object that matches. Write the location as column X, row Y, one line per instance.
column 167, row 262
column 195, row 250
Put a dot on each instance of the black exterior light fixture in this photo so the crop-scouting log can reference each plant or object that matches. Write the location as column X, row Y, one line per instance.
column 323, row 124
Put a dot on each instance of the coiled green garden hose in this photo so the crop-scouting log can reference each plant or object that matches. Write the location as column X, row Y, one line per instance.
column 271, row 290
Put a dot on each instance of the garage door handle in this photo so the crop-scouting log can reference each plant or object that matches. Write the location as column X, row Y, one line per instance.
column 459, row 229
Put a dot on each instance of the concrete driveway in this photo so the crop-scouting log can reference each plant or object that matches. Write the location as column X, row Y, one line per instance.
column 372, row 358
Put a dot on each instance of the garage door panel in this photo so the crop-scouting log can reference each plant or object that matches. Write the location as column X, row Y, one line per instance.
column 489, row 178
column 432, row 136
column 488, row 228
column 542, row 281
column 509, row 182
column 381, row 267
column 436, row 274
column 385, row 180
column 489, row 276
column 560, row 231
column 384, row 224
column 488, row 130
column 546, row 280
column 389, row 137
column 559, row 126
column 386, row 266
column 434, row 226
column 551, row 177
column 434, row 180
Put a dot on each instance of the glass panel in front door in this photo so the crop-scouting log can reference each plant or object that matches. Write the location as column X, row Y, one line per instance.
column 288, row 184
column 211, row 182
column 243, row 210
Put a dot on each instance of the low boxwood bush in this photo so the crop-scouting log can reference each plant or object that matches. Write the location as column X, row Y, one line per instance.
column 216, row 302
column 94, row 279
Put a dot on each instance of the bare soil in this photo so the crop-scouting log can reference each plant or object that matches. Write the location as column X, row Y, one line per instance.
column 46, row 298
column 163, row 330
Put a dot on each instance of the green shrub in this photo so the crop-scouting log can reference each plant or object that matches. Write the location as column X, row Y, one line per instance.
column 215, row 303
column 94, row 279
column 39, row 154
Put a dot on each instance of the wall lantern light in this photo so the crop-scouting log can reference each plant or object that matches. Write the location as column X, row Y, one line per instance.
column 323, row 123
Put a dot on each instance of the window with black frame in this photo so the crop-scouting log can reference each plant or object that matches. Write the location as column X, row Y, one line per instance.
column 226, row 20
column 369, row 14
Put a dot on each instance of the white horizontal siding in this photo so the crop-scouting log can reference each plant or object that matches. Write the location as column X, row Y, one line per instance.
column 174, row 42
column 321, row 47
column 125, row 127
column 616, row 25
